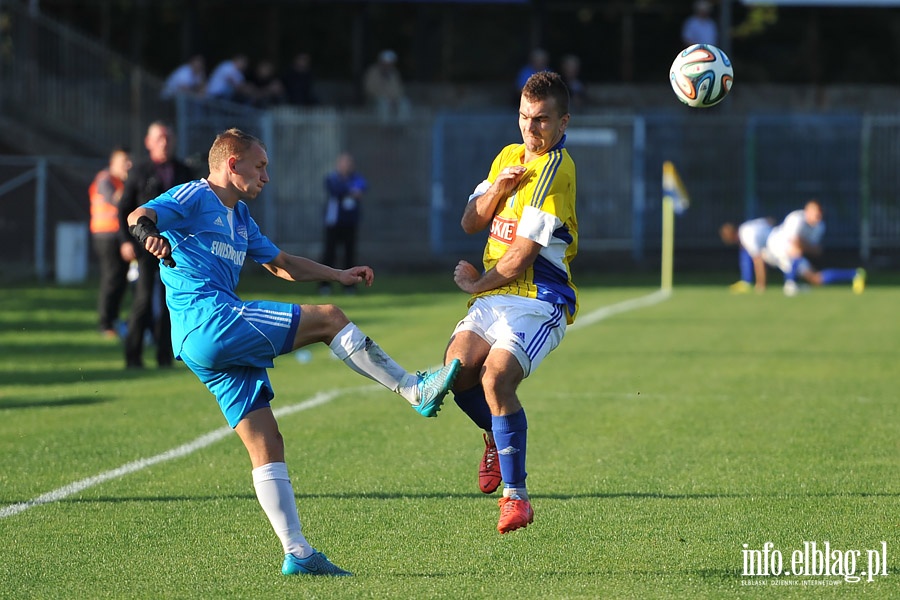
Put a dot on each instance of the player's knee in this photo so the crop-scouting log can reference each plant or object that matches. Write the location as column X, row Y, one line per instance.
column 467, row 377
column 334, row 316
column 499, row 381
column 323, row 315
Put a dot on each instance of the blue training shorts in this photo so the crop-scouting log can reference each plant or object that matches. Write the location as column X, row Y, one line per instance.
column 231, row 351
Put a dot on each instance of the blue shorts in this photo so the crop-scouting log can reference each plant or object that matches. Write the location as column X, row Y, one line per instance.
column 231, row 351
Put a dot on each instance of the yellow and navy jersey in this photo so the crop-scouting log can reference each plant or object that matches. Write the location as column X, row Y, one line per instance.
column 541, row 209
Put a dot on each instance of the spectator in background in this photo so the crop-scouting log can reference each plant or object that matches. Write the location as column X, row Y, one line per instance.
column 228, row 80
column 105, row 194
column 6, row 45
column 699, row 28
column 344, row 189
column 384, row 90
column 538, row 60
column 570, row 70
column 299, row 84
column 267, row 87
column 189, row 78
column 146, row 181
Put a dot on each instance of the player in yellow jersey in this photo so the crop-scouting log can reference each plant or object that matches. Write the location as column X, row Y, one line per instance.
column 524, row 297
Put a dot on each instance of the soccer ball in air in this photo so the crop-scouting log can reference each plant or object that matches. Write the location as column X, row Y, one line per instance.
column 701, row 75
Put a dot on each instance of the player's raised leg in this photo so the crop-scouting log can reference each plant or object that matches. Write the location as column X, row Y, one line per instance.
column 327, row 323
column 468, row 393
column 855, row 277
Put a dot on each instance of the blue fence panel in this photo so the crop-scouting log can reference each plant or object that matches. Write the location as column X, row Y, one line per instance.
column 463, row 148
column 800, row 157
column 708, row 152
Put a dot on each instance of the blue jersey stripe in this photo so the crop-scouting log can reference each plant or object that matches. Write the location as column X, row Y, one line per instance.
column 563, row 233
column 544, row 332
column 183, row 194
column 553, row 283
column 537, row 196
column 549, row 172
column 271, row 317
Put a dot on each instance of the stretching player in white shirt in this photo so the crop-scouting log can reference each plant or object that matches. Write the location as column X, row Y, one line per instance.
column 797, row 237
column 751, row 236
column 785, row 247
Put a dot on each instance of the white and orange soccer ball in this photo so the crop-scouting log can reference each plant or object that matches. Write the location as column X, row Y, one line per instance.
column 701, row 75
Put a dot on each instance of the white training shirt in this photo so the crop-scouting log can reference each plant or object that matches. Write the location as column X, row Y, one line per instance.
column 793, row 229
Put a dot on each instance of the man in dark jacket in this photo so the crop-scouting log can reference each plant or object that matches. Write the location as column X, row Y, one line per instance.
column 146, row 181
column 344, row 188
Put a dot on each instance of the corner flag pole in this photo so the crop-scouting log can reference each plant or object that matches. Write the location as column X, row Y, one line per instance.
column 675, row 201
column 668, row 242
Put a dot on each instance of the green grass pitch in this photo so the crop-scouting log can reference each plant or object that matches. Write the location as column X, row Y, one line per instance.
column 662, row 440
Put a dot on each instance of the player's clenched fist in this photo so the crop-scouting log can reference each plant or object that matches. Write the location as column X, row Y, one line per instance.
column 509, row 178
column 465, row 276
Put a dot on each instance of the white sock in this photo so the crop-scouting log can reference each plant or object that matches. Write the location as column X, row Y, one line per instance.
column 365, row 357
column 521, row 492
column 276, row 496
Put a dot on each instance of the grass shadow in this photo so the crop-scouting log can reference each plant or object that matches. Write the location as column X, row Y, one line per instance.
column 71, row 401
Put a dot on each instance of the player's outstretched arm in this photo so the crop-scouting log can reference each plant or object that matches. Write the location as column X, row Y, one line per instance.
column 298, row 268
column 759, row 271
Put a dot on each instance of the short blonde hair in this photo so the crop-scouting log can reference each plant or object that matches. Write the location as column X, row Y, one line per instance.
column 231, row 142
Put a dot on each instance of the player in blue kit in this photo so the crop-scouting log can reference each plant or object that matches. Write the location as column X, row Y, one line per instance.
column 204, row 231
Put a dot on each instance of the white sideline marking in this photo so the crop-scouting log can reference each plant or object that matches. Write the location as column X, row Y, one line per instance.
column 198, row 444
column 605, row 312
column 319, row 399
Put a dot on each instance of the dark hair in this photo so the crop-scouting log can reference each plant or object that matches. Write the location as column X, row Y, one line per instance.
column 547, row 84
column 231, row 142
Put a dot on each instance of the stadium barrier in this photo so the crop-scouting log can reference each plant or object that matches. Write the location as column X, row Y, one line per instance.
column 737, row 165
column 422, row 171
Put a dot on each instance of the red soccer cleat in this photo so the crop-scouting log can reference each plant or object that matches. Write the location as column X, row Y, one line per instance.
column 515, row 513
column 489, row 477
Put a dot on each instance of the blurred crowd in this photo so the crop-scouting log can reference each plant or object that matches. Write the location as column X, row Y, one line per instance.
column 264, row 84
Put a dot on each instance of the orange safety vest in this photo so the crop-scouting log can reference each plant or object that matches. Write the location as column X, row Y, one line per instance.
column 105, row 210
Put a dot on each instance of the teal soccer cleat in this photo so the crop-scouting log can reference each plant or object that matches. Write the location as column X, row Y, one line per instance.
column 314, row 564
column 433, row 387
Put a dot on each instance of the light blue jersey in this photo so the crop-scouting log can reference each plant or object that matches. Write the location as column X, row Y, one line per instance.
column 227, row 342
column 209, row 244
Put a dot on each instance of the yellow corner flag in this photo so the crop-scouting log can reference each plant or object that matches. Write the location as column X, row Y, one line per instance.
column 675, row 201
column 674, row 189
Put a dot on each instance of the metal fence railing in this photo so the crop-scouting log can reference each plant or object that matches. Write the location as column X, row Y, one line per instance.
column 734, row 167
column 422, row 169
column 37, row 195
column 72, row 86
